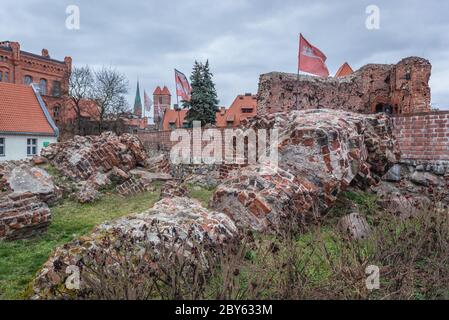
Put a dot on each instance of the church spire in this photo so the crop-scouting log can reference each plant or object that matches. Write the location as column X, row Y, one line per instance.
column 138, row 102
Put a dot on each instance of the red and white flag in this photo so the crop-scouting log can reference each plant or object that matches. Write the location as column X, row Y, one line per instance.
column 147, row 101
column 183, row 88
column 311, row 59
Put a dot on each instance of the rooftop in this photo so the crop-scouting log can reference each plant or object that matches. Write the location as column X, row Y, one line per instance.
column 21, row 112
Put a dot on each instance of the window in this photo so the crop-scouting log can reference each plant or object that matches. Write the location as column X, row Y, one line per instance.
column 6, row 78
column 43, row 86
column 28, row 80
column 2, row 147
column 160, row 100
column 1, row 76
column 56, row 89
column 31, row 147
column 56, row 112
column 247, row 110
column 172, row 126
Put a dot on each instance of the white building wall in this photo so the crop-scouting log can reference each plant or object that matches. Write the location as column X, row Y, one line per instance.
column 16, row 146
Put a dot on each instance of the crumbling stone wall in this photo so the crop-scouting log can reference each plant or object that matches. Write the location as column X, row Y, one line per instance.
column 321, row 153
column 403, row 88
column 82, row 157
column 22, row 215
column 25, row 191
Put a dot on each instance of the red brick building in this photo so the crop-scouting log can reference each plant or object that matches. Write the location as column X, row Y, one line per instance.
column 52, row 76
column 243, row 107
column 162, row 103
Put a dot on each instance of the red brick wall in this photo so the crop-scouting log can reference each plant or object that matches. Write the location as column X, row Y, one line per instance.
column 423, row 136
column 160, row 140
column 157, row 140
column 19, row 64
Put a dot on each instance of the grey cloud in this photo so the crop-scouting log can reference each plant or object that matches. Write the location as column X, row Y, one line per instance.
column 242, row 38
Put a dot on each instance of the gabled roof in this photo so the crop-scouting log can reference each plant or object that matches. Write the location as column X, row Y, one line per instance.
column 158, row 90
column 165, row 91
column 22, row 111
column 233, row 114
column 344, row 70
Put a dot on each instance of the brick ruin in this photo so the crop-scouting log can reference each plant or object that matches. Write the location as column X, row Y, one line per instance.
column 402, row 88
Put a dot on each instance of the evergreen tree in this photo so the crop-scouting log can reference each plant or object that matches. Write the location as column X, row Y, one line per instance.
column 204, row 103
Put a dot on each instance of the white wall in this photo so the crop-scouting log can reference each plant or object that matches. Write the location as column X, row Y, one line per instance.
column 16, row 146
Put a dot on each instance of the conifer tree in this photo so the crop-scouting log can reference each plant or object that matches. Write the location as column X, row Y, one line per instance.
column 204, row 103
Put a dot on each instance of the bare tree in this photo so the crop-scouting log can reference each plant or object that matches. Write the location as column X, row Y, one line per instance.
column 115, row 114
column 80, row 89
column 110, row 88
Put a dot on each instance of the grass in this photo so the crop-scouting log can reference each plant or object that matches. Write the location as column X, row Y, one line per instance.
column 201, row 194
column 20, row 260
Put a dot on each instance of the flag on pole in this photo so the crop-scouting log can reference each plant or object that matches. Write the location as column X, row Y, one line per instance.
column 147, row 101
column 311, row 59
column 183, row 88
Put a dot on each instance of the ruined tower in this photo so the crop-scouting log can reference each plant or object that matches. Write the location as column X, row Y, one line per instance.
column 397, row 89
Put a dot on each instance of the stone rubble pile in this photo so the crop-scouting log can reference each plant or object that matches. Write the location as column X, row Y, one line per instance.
column 23, row 176
column 410, row 186
column 178, row 220
column 82, row 157
column 321, row 152
column 23, row 215
column 25, row 191
column 96, row 161
column 173, row 189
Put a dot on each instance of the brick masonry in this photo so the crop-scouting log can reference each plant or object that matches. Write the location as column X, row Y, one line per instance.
column 423, row 136
column 50, row 74
column 23, row 215
column 403, row 88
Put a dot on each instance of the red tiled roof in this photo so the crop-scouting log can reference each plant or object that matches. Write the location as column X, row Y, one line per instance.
column 89, row 110
column 344, row 70
column 158, row 90
column 166, row 91
column 172, row 116
column 20, row 111
column 234, row 113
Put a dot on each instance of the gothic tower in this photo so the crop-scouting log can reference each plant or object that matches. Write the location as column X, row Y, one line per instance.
column 138, row 103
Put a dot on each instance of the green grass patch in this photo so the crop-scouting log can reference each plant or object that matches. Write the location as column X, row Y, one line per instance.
column 201, row 194
column 20, row 260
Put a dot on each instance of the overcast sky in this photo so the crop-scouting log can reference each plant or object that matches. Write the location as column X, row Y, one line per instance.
column 241, row 38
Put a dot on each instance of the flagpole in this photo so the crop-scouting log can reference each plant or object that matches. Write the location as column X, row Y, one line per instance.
column 297, row 72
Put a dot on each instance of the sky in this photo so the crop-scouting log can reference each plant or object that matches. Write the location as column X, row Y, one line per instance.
column 242, row 39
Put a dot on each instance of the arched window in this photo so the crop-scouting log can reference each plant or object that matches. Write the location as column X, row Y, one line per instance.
column 43, row 86
column 28, row 80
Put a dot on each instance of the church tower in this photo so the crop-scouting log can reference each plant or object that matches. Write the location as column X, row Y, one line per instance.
column 138, row 103
column 162, row 103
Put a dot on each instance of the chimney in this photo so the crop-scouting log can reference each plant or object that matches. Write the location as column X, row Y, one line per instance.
column 223, row 111
column 45, row 53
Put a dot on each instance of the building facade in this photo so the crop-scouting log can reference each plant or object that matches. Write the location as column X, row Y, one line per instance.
column 49, row 75
column 162, row 103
